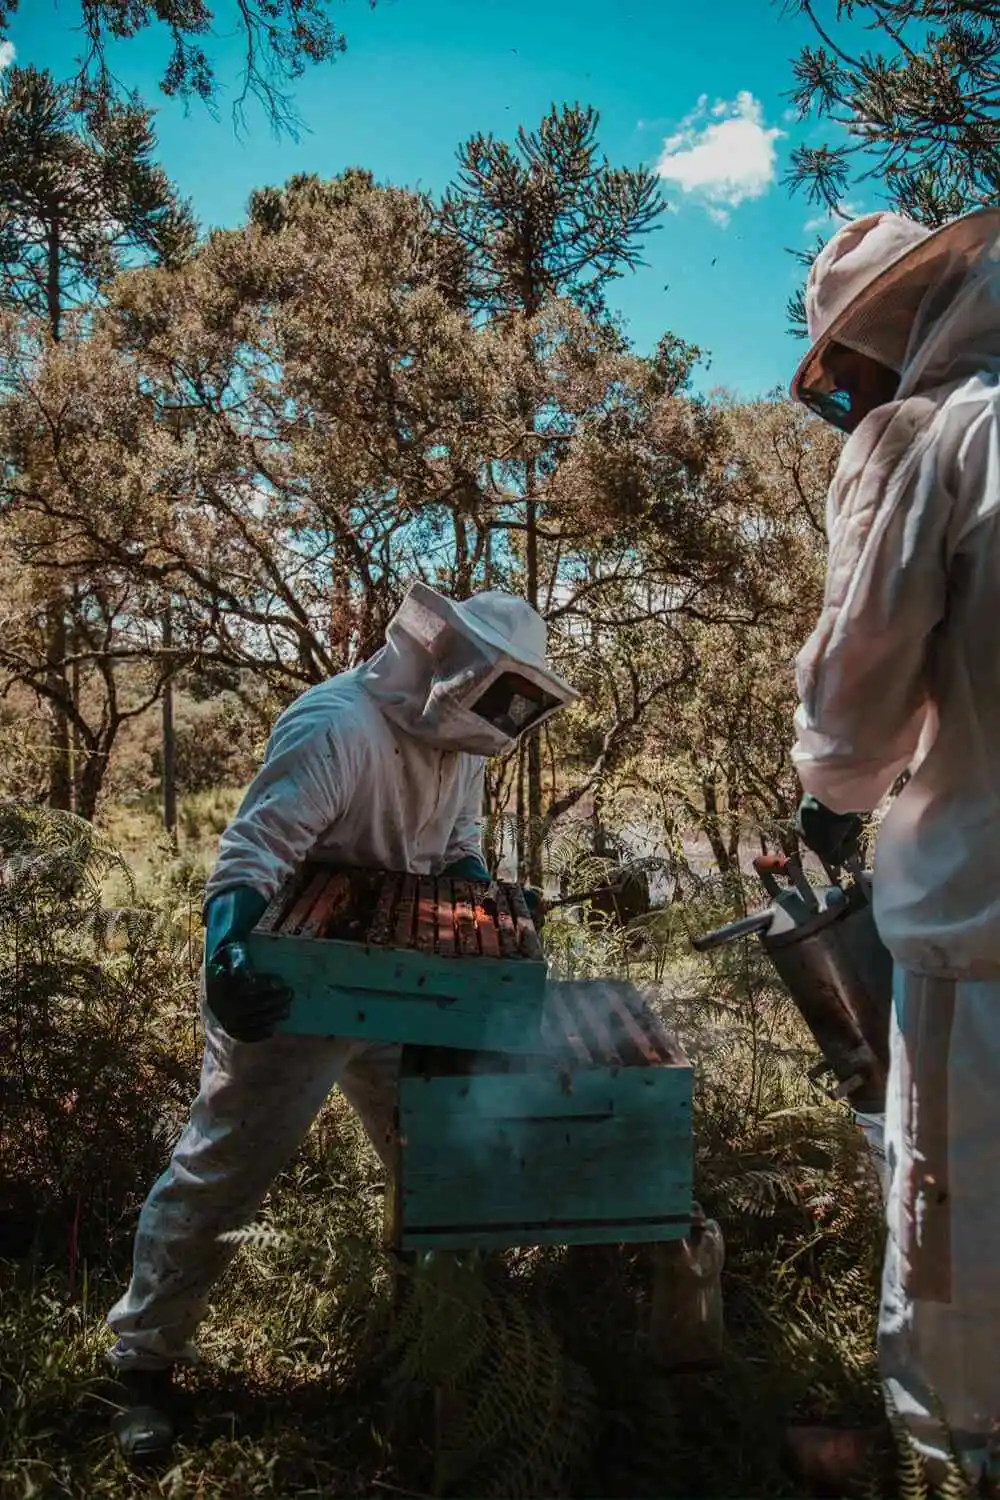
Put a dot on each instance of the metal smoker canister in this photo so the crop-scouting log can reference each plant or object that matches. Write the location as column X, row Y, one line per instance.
column 824, row 946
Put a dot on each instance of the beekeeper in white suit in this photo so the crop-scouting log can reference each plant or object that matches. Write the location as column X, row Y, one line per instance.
column 902, row 673
column 379, row 767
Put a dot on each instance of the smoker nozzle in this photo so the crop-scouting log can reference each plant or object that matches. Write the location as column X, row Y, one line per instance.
column 758, row 921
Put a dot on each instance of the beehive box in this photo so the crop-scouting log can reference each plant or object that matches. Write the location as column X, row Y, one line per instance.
column 401, row 958
column 588, row 1142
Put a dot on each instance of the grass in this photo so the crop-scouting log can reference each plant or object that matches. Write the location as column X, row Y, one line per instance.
column 156, row 863
column 290, row 1401
column 310, row 1387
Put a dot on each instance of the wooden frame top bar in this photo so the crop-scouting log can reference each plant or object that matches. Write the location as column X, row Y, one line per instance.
column 396, row 911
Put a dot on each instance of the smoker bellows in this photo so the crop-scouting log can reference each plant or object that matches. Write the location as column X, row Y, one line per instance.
column 405, row 958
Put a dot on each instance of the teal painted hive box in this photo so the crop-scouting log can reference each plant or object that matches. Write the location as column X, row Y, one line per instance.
column 402, row 958
column 588, row 1142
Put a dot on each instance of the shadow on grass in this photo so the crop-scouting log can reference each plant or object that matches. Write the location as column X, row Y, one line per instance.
column 278, row 1428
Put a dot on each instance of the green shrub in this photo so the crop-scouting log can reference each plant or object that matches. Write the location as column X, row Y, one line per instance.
column 215, row 744
column 97, row 1010
column 540, row 1351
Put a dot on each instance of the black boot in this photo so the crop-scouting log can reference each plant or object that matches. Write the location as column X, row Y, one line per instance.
column 144, row 1428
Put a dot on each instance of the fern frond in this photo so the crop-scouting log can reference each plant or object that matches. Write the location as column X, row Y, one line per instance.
column 260, row 1236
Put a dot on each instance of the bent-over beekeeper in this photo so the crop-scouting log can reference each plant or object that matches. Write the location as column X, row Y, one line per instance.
column 380, row 767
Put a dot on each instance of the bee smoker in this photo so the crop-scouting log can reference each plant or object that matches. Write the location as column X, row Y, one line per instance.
column 826, row 950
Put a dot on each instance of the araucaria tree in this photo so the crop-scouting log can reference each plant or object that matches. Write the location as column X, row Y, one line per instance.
column 918, row 107
column 544, row 221
column 81, row 198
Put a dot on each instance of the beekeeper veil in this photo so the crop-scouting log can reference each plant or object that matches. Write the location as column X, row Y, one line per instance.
column 924, row 303
column 466, row 676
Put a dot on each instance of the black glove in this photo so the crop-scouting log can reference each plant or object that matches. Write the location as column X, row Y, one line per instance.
column 833, row 836
column 248, row 1006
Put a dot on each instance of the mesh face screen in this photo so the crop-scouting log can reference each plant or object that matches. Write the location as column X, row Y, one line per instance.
column 846, row 387
column 512, row 704
column 833, row 406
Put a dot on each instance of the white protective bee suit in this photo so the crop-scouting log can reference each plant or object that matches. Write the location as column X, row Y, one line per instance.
column 903, row 673
column 382, row 767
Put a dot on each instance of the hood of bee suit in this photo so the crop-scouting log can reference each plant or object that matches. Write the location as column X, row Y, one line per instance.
column 925, row 303
column 469, row 675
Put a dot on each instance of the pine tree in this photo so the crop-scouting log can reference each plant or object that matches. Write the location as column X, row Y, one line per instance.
column 545, row 218
column 81, row 197
column 920, row 110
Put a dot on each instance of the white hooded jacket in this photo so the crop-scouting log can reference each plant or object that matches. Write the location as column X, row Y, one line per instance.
column 383, row 766
column 903, row 669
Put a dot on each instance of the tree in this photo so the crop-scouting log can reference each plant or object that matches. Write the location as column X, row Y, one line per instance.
column 279, row 40
column 920, row 111
column 118, row 672
column 716, row 764
column 80, row 198
column 352, row 424
column 545, row 220
column 328, row 384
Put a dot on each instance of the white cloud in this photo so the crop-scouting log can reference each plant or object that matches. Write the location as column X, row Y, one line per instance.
column 7, row 55
column 723, row 154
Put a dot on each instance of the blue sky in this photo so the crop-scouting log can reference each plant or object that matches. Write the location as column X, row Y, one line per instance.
column 698, row 90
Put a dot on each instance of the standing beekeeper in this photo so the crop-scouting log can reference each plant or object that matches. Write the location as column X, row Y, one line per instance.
column 380, row 767
column 902, row 674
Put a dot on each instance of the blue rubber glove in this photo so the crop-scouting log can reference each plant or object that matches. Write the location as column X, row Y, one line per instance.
column 247, row 1005
column 469, row 868
column 833, row 836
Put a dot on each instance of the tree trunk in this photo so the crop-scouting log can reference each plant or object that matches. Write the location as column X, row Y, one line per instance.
column 488, row 560
column 53, row 289
column 60, row 761
column 74, row 687
column 521, row 819
column 341, row 629
column 463, row 562
column 92, row 776
column 712, row 826
column 534, row 745
column 60, row 764
column 169, row 738
column 535, row 872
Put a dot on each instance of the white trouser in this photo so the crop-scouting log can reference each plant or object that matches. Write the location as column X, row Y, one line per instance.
column 254, row 1108
column 939, row 1330
column 872, row 1128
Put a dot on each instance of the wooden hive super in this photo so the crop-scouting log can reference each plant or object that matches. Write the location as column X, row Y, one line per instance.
column 402, row 958
column 588, row 1142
